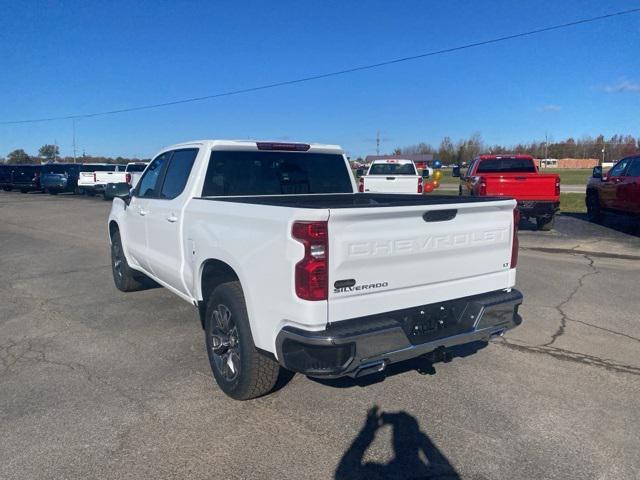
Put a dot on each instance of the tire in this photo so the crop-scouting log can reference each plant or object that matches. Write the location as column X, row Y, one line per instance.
column 124, row 277
column 52, row 192
column 106, row 198
column 6, row 189
column 90, row 193
column 545, row 223
column 593, row 207
column 240, row 370
column 24, row 190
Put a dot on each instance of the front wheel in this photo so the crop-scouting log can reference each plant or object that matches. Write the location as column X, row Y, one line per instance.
column 545, row 223
column 240, row 370
column 593, row 208
column 124, row 276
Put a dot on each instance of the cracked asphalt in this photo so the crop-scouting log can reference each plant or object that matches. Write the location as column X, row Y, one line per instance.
column 95, row 383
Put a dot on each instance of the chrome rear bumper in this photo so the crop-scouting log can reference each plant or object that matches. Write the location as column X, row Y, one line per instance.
column 365, row 345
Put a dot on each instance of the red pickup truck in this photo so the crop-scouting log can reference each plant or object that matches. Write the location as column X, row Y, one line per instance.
column 515, row 176
column 617, row 191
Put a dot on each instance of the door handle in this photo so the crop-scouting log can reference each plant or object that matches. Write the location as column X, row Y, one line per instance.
column 172, row 219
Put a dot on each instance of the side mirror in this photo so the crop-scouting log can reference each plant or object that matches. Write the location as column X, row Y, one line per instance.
column 360, row 172
column 455, row 172
column 121, row 190
column 425, row 173
column 597, row 172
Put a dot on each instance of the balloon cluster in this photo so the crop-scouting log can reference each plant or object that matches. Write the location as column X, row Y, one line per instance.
column 429, row 187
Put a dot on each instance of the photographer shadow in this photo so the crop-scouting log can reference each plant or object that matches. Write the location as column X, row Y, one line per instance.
column 415, row 455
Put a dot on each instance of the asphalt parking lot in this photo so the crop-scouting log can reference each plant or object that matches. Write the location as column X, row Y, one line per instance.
column 95, row 383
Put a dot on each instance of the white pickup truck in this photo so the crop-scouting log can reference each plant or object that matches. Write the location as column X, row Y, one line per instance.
column 392, row 176
column 87, row 176
column 129, row 174
column 290, row 267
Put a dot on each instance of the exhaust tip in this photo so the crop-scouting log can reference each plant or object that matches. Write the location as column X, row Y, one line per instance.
column 368, row 369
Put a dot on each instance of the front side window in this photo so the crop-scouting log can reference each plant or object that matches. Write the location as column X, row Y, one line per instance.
column 178, row 172
column 275, row 173
column 634, row 168
column 619, row 168
column 149, row 183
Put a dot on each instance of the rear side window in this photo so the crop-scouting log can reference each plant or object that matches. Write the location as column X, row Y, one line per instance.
column 135, row 168
column 506, row 165
column 275, row 173
column 178, row 172
column 392, row 169
column 149, row 183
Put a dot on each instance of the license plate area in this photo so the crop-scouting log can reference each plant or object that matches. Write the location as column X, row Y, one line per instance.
column 439, row 320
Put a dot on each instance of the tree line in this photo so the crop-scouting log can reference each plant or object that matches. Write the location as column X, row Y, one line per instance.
column 466, row 149
column 51, row 153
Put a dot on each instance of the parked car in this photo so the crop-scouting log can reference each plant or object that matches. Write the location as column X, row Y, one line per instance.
column 514, row 176
column 25, row 178
column 616, row 192
column 60, row 177
column 290, row 266
column 391, row 176
column 87, row 178
column 5, row 177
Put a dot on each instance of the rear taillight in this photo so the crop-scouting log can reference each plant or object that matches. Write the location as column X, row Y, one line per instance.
column 311, row 273
column 127, row 178
column 557, row 186
column 482, row 190
column 515, row 243
column 420, row 184
column 361, row 185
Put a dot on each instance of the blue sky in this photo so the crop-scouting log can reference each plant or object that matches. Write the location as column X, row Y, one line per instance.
column 62, row 58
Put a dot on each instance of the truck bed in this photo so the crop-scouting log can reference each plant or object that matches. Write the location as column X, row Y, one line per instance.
column 354, row 200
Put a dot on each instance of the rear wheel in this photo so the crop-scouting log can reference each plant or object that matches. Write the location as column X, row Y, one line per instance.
column 24, row 190
column 52, row 192
column 6, row 189
column 545, row 223
column 240, row 370
column 124, row 276
column 593, row 207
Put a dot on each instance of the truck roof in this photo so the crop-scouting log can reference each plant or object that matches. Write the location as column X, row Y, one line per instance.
column 506, row 155
column 401, row 161
column 252, row 145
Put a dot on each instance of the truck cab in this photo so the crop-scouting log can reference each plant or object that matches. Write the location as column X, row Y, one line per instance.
column 616, row 192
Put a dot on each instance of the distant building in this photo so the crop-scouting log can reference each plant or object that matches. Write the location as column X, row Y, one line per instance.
column 567, row 162
column 421, row 160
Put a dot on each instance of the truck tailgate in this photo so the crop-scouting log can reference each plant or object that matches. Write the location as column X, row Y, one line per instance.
column 383, row 259
column 523, row 186
column 391, row 183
